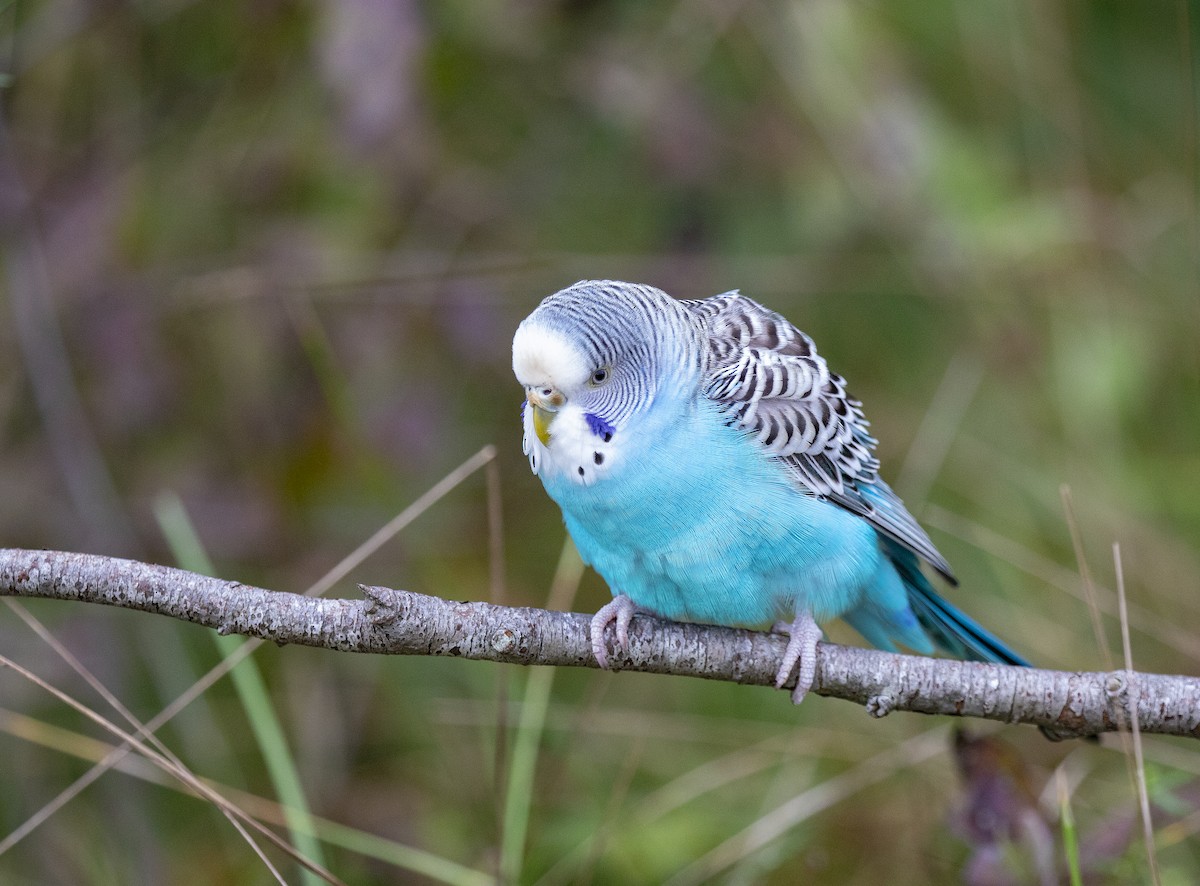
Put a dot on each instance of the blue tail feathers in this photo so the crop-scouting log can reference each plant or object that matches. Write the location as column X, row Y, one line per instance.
column 952, row 631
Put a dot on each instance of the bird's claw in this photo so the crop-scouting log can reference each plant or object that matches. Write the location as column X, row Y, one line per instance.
column 620, row 610
column 804, row 634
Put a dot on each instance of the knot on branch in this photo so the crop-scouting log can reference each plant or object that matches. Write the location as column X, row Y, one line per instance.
column 879, row 706
column 504, row 641
column 1116, row 685
column 383, row 606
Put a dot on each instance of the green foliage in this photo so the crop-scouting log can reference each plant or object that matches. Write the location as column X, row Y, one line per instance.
column 286, row 246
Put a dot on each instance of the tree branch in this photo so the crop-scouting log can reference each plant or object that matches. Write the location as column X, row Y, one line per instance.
column 404, row 623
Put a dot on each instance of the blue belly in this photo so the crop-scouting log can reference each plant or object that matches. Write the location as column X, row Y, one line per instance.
column 698, row 525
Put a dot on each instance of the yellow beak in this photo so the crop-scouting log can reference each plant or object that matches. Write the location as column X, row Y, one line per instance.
column 539, row 399
column 541, row 422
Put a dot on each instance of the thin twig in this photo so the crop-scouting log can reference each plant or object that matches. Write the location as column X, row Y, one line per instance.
column 1132, row 679
column 227, row 664
column 196, row 785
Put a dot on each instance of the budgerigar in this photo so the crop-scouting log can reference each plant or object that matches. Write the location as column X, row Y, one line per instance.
column 712, row 469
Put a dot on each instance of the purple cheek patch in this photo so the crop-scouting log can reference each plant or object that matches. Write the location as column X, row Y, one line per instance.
column 599, row 426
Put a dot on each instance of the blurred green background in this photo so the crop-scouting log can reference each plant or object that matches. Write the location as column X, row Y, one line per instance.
column 268, row 257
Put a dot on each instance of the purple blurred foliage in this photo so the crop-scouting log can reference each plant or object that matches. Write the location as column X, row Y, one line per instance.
column 999, row 817
column 370, row 54
column 133, row 384
column 468, row 317
column 81, row 220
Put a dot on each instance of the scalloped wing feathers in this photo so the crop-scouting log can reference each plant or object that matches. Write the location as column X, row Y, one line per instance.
column 770, row 382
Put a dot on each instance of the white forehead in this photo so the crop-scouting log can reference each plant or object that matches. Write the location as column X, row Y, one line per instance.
column 542, row 355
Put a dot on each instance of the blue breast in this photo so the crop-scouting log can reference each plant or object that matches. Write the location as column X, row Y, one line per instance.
column 697, row 524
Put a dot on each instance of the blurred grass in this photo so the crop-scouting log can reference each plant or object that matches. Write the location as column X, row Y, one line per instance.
column 252, row 692
column 286, row 245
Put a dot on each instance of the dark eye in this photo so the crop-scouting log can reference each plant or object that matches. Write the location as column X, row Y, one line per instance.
column 600, row 376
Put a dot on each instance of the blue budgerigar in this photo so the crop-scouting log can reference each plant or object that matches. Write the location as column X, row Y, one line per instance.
column 713, row 469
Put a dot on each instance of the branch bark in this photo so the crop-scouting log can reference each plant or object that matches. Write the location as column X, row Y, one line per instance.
column 397, row 622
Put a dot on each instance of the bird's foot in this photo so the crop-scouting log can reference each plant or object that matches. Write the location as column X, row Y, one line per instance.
column 620, row 610
column 802, row 647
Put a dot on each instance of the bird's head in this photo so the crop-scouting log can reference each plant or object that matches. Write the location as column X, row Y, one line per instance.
column 553, row 372
column 599, row 345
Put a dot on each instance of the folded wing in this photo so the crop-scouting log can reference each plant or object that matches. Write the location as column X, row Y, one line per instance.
column 769, row 381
